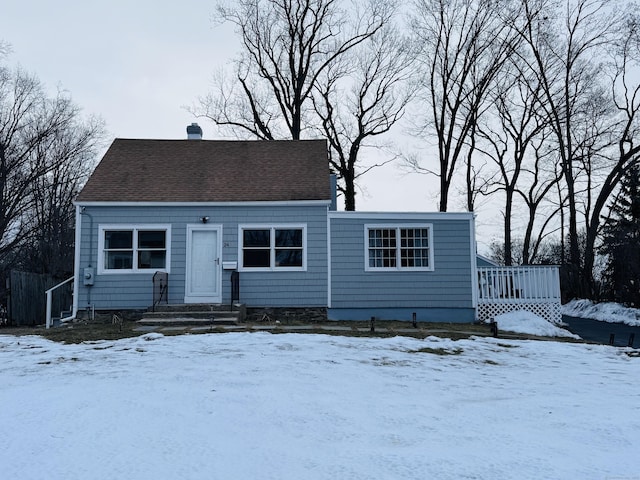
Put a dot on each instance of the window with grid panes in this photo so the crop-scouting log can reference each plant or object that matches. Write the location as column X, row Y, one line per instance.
column 414, row 247
column 399, row 247
column 382, row 248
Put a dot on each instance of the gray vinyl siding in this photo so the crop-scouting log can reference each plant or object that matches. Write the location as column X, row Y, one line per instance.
column 447, row 286
column 272, row 289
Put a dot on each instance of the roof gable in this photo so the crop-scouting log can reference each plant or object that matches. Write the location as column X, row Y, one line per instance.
column 210, row 171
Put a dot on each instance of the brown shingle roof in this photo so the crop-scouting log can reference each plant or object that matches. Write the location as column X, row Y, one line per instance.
column 210, row 171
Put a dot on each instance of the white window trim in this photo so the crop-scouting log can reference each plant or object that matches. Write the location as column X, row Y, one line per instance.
column 135, row 227
column 397, row 227
column 272, row 260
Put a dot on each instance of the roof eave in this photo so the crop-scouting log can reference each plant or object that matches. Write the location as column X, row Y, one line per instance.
column 249, row 203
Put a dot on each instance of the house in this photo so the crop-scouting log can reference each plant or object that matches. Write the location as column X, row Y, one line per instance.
column 200, row 212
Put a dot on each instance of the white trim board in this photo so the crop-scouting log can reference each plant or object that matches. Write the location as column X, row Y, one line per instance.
column 402, row 216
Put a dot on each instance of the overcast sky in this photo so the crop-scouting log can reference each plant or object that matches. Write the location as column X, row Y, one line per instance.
column 137, row 64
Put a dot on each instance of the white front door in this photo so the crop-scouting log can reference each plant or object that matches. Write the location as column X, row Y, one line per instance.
column 203, row 264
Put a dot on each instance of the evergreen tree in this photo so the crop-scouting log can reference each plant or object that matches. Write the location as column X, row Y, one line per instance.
column 621, row 243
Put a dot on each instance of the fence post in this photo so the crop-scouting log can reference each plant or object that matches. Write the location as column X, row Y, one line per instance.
column 494, row 328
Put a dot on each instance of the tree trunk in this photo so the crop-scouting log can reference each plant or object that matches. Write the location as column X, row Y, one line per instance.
column 349, row 191
column 444, row 192
column 507, row 228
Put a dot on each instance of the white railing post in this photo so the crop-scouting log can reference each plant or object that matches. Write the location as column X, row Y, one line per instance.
column 49, row 302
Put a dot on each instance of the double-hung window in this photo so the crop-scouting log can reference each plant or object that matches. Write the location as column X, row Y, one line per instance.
column 132, row 249
column 281, row 247
column 398, row 247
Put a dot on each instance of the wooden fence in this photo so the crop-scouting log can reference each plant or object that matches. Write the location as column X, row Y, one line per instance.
column 26, row 305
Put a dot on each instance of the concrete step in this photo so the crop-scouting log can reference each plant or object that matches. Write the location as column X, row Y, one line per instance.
column 187, row 321
column 195, row 307
column 193, row 314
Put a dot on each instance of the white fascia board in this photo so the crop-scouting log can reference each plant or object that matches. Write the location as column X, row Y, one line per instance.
column 292, row 203
column 402, row 216
column 76, row 261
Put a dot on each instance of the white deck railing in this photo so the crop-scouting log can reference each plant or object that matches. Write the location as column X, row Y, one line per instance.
column 523, row 284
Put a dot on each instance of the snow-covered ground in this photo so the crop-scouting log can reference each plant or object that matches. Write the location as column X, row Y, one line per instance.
column 521, row 321
column 605, row 312
column 304, row 406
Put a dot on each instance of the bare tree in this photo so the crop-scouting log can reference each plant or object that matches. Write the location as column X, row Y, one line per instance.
column 362, row 97
column 50, row 247
column 625, row 152
column 463, row 46
column 515, row 136
column 566, row 45
column 45, row 150
column 542, row 176
column 287, row 45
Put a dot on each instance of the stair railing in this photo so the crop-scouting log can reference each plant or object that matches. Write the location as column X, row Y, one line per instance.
column 160, row 288
column 49, row 294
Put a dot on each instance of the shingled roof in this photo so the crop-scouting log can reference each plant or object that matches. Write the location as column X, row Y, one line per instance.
column 210, row 171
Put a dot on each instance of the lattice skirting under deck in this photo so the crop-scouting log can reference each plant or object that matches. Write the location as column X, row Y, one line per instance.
column 549, row 311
